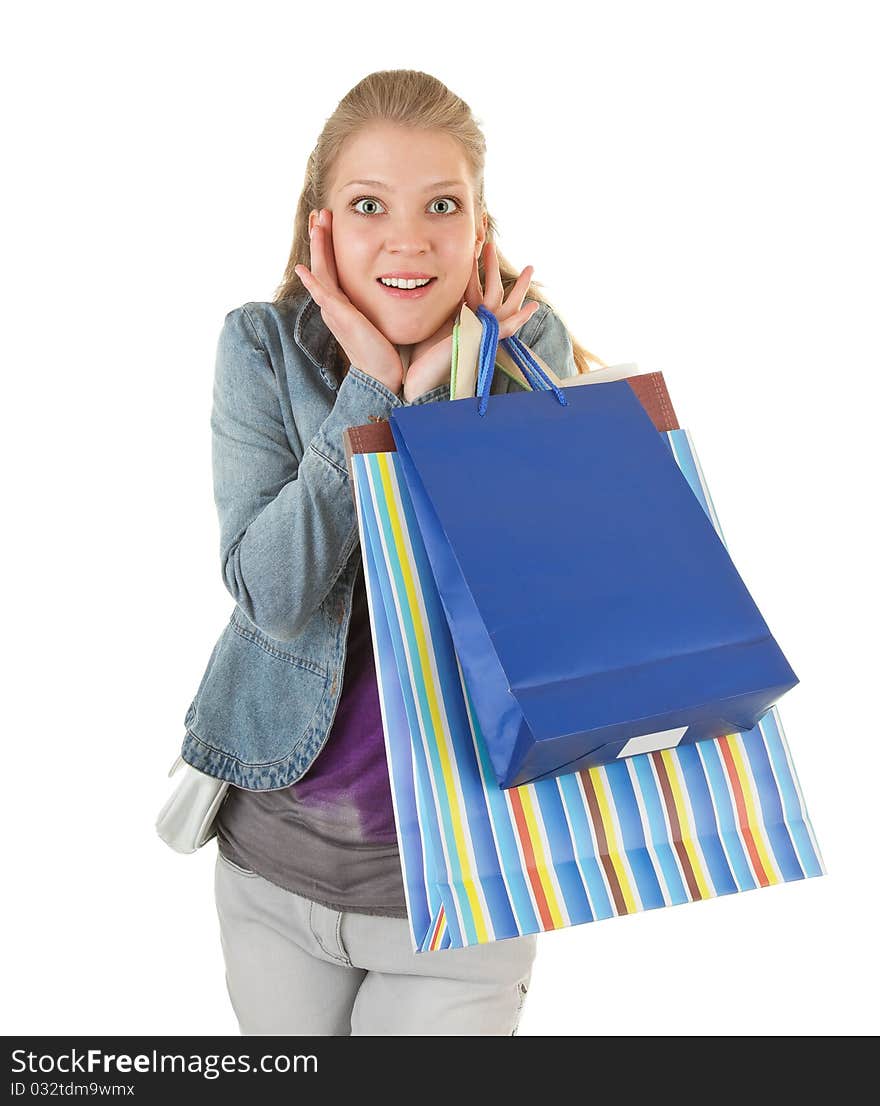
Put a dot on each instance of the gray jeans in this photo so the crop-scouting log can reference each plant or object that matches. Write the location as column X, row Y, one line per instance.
column 297, row 968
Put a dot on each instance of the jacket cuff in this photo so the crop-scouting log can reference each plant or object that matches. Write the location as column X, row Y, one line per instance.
column 359, row 399
column 441, row 392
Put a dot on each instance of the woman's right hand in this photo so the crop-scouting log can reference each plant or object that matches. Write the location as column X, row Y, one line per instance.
column 365, row 346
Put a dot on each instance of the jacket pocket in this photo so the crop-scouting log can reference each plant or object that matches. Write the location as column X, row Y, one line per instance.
column 281, row 650
column 256, row 699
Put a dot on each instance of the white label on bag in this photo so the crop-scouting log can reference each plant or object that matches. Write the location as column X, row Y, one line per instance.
column 651, row 742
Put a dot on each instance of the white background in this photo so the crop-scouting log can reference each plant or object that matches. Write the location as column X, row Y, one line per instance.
column 696, row 186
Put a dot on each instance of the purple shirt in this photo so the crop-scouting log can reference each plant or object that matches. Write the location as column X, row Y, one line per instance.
column 330, row 836
column 348, row 783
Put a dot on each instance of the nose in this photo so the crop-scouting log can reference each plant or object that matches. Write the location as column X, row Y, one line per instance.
column 406, row 234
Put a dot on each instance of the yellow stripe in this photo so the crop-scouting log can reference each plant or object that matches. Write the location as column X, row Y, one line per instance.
column 684, row 820
column 614, row 849
column 756, row 824
column 543, row 869
column 468, row 878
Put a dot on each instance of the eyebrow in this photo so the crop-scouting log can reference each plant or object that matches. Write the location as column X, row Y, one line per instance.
column 388, row 188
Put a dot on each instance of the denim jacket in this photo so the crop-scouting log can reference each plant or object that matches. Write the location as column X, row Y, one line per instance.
column 289, row 545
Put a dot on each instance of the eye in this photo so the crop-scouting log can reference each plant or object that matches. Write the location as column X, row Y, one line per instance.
column 373, row 204
column 364, row 200
column 447, row 200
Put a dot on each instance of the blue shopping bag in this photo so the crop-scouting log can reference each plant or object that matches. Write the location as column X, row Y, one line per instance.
column 483, row 864
column 595, row 612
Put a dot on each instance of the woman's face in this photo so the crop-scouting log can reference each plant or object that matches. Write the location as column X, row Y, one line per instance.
column 402, row 203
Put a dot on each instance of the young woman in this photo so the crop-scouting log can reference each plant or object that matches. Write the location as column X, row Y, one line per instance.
column 392, row 234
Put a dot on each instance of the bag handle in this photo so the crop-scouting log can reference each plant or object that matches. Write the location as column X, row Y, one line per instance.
column 534, row 375
column 467, row 337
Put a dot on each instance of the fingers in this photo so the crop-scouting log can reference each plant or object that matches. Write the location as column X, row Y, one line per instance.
column 313, row 285
column 494, row 292
column 322, row 258
column 320, row 280
column 512, row 323
column 517, row 293
column 494, row 298
column 329, row 297
column 474, row 293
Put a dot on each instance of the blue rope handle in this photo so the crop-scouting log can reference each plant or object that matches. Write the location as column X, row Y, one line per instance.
column 486, row 356
column 522, row 358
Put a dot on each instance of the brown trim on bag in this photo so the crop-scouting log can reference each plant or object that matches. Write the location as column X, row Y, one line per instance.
column 372, row 437
column 602, row 841
column 650, row 388
column 675, row 826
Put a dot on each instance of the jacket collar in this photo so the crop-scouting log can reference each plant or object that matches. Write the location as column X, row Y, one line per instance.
column 316, row 340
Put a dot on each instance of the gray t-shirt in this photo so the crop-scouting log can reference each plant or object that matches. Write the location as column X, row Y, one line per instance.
column 330, row 836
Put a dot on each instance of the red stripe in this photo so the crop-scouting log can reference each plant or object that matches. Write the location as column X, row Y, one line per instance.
column 440, row 916
column 529, row 854
column 742, row 816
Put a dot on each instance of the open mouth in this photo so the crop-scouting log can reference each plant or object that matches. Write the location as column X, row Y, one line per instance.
column 407, row 293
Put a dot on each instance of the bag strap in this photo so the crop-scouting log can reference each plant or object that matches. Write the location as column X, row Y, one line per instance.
column 467, row 336
column 537, row 379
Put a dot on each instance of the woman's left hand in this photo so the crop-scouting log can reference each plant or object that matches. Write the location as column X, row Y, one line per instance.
column 431, row 359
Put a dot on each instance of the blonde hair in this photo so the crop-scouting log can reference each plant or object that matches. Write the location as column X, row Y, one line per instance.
column 412, row 99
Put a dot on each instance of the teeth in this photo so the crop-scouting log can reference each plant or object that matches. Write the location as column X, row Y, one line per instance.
column 396, row 282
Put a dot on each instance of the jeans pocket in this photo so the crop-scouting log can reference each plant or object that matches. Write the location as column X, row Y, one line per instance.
column 236, row 867
column 523, row 990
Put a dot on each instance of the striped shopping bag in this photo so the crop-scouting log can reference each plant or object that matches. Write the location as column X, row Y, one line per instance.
column 482, row 863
